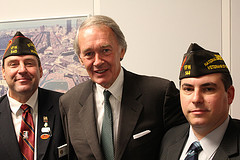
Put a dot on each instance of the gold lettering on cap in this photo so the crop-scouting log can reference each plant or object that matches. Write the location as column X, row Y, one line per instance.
column 14, row 49
column 187, row 72
column 216, row 58
column 32, row 50
column 187, row 67
column 30, row 45
column 216, row 66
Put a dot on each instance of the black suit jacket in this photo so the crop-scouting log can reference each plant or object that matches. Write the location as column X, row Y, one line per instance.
column 148, row 103
column 46, row 149
column 175, row 139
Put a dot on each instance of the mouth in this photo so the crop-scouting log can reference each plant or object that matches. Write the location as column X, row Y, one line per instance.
column 24, row 79
column 100, row 71
column 199, row 111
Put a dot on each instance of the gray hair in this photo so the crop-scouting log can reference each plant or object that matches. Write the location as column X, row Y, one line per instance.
column 101, row 20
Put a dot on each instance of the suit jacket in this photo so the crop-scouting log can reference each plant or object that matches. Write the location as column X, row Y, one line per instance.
column 148, row 103
column 48, row 105
column 175, row 139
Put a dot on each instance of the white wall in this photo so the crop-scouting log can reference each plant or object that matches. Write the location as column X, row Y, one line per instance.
column 31, row 9
column 158, row 32
column 235, row 56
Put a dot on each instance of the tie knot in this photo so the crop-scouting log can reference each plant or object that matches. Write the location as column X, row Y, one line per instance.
column 195, row 147
column 106, row 94
column 25, row 107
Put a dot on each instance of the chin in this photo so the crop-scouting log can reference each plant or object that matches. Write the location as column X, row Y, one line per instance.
column 100, row 81
column 198, row 123
column 24, row 89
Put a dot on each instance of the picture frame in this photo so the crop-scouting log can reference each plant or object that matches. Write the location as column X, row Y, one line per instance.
column 53, row 38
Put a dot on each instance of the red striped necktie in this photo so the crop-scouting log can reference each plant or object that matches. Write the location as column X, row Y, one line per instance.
column 26, row 138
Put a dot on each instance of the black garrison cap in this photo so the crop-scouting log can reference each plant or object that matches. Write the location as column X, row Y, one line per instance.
column 199, row 62
column 20, row 45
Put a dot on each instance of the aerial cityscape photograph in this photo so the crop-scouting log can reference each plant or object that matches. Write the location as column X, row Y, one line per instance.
column 53, row 39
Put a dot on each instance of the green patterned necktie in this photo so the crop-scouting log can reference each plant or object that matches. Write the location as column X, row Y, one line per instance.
column 107, row 129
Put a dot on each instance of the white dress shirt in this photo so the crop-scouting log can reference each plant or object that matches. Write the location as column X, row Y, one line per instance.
column 115, row 101
column 209, row 143
column 17, row 115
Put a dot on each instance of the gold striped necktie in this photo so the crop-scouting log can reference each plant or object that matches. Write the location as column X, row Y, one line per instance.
column 26, row 138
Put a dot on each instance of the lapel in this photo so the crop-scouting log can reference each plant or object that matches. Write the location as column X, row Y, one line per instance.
column 230, row 143
column 44, row 109
column 87, row 115
column 8, row 136
column 130, row 111
column 174, row 151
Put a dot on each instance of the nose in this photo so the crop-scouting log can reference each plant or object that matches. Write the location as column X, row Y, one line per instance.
column 22, row 68
column 97, row 60
column 197, row 97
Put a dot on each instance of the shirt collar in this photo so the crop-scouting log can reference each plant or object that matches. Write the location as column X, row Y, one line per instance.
column 211, row 142
column 15, row 105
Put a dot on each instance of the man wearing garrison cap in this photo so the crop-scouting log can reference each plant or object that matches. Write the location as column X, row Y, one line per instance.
column 30, row 123
column 206, row 93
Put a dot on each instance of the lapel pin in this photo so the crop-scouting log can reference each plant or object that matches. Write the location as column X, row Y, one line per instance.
column 46, row 131
column 25, row 134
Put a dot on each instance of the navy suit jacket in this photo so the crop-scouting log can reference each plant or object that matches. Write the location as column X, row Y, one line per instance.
column 48, row 105
column 175, row 139
column 148, row 103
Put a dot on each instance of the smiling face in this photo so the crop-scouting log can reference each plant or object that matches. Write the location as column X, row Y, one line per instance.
column 205, row 103
column 22, row 74
column 100, row 53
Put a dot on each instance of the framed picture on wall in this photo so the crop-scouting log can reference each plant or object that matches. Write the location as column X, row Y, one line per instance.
column 53, row 39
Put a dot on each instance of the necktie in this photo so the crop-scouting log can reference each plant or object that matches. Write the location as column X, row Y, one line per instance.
column 26, row 138
column 193, row 151
column 107, row 129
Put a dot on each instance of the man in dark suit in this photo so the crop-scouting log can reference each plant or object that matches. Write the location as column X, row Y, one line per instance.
column 143, row 107
column 206, row 93
column 22, row 71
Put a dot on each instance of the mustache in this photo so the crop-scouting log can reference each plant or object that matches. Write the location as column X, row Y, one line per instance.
column 24, row 77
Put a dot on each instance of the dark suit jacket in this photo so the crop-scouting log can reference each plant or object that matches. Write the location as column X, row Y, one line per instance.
column 46, row 149
column 175, row 139
column 148, row 103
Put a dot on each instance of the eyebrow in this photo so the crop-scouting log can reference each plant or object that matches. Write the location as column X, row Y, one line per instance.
column 86, row 50
column 202, row 85
column 29, row 59
column 186, row 84
column 103, row 46
column 209, row 84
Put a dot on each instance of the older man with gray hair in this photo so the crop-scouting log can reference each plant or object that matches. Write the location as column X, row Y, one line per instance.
column 116, row 114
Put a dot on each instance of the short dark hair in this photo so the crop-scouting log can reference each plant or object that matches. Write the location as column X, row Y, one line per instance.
column 227, row 80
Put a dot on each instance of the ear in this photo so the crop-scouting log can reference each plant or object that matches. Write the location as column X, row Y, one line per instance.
column 122, row 53
column 80, row 60
column 3, row 73
column 230, row 93
column 41, row 71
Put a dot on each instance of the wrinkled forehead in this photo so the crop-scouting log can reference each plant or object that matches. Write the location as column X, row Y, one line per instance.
column 103, row 36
